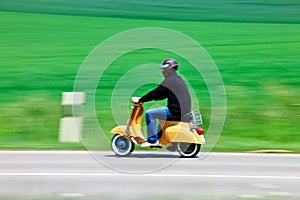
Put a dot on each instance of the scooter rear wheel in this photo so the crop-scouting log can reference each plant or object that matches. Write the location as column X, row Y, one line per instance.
column 121, row 146
column 188, row 150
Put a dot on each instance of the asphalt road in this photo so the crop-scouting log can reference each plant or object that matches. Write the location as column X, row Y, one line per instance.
column 147, row 175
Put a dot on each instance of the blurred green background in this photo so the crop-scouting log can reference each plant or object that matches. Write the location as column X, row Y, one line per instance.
column 255, row 45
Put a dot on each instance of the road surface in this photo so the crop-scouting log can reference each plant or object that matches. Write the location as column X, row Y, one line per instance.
column 147, row 175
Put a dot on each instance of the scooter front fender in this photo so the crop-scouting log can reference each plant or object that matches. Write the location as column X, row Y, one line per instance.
column 119, row 130
column 133, row 131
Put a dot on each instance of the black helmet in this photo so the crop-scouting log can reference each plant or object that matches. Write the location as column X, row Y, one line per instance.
column 168, row 64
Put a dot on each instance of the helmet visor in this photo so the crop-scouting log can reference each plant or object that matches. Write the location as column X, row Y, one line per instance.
column 165, row 66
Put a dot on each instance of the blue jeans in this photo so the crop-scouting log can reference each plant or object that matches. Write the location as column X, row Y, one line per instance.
column 161, row 113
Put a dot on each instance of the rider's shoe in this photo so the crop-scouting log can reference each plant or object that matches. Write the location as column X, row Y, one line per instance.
column 143, row 142
column 148, row 144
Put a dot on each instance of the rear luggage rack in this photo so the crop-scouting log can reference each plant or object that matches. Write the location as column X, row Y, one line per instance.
column 197, row 119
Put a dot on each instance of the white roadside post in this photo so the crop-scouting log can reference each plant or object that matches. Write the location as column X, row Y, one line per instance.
column 70, row 129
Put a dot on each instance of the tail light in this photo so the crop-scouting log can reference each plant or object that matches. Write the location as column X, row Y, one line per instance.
column 200, row 131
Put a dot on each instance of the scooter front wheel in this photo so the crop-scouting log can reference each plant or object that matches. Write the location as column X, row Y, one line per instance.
column 121, row 146
column 188, row 150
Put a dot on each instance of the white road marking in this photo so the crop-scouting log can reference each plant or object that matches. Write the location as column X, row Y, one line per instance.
column 249, row 196
column 145, row 175
column 73, row 195
column 279, row 194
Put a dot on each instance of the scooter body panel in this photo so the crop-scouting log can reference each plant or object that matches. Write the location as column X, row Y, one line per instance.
column 175, row 131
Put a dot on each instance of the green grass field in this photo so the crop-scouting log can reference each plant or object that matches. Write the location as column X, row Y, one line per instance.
column 255, row 45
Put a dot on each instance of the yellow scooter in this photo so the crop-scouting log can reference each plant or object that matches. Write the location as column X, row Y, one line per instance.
column 185, row 137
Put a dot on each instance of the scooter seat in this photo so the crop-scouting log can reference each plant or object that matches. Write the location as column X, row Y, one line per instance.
column 186, row 118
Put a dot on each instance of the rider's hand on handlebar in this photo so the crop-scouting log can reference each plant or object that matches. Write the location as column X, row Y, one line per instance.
column 135, row 100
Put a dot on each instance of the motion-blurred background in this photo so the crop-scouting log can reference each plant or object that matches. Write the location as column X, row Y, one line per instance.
column 255, row 45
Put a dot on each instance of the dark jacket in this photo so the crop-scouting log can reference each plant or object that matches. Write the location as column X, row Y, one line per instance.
column 175, row 90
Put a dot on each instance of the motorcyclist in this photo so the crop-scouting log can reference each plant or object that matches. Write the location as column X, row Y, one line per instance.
column 175, row 90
